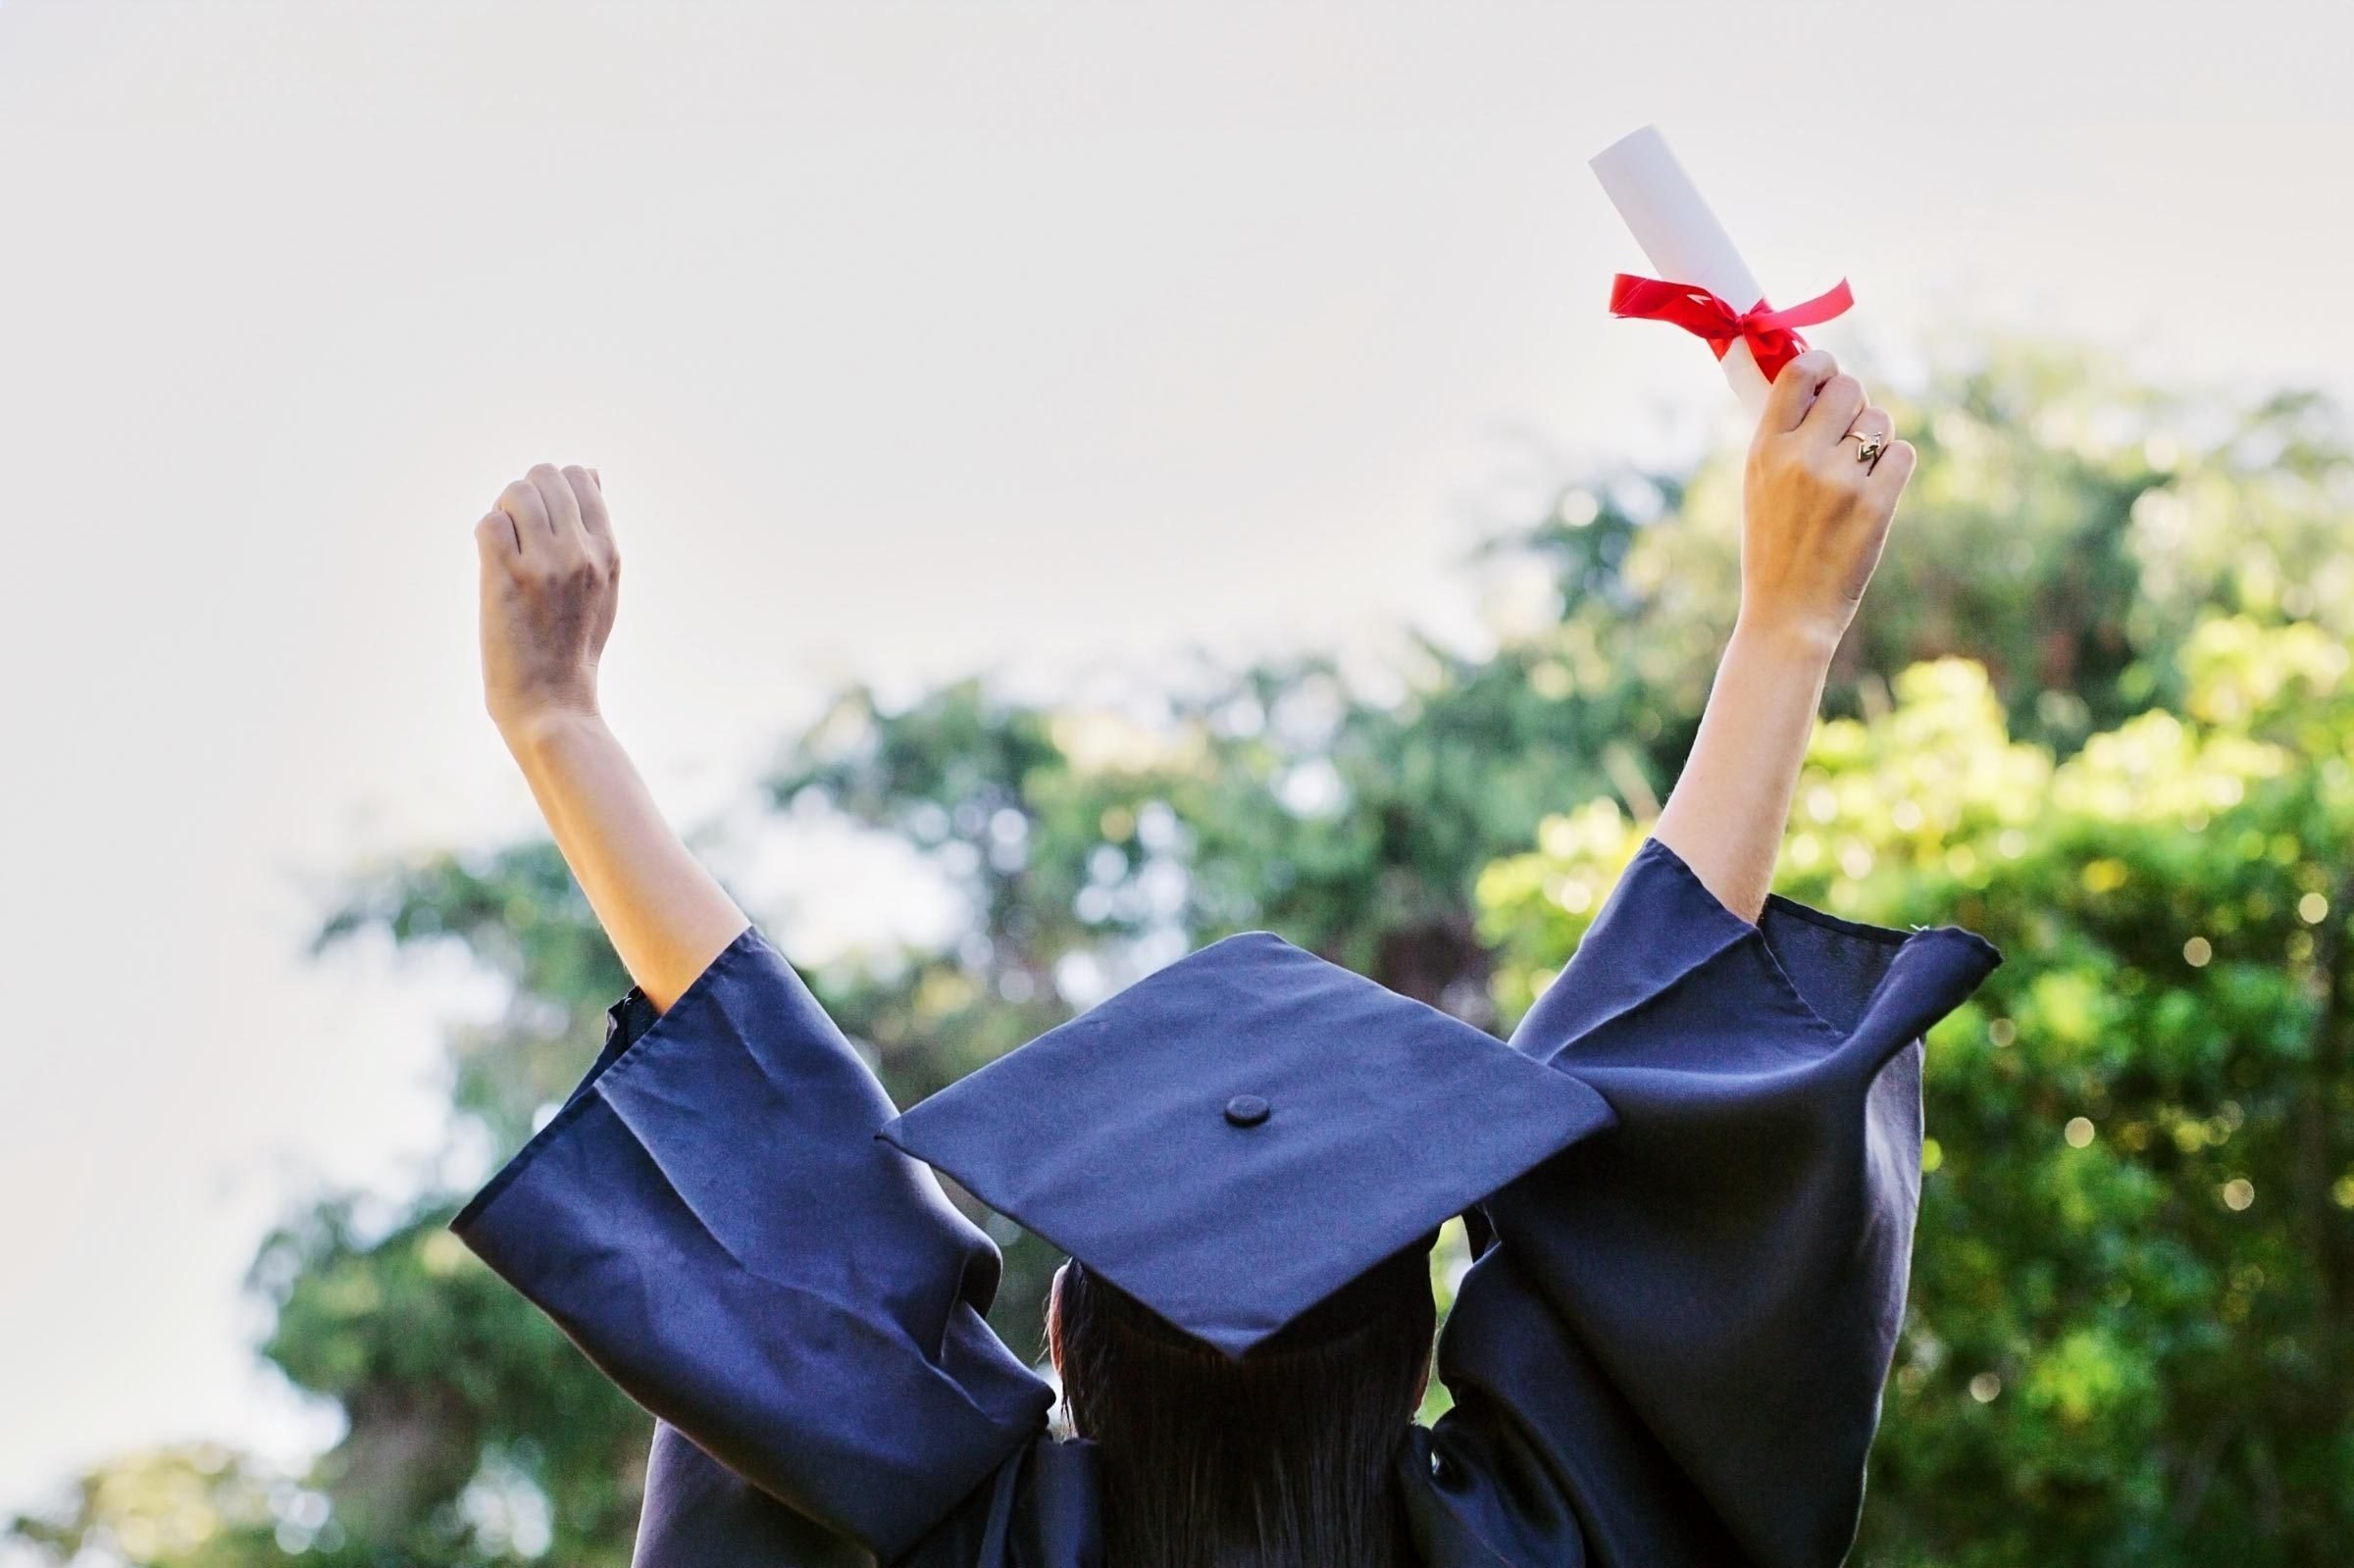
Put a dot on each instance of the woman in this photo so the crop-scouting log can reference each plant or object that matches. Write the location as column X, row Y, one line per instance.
column 1691, row 1175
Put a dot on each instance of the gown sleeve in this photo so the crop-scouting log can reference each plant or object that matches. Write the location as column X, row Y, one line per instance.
column 712, row 1219
column 1673, row 1347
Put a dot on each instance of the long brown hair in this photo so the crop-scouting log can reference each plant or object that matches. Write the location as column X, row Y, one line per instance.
column 1285, row 1459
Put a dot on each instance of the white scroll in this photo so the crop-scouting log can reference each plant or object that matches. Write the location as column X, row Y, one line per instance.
column 1684, row 240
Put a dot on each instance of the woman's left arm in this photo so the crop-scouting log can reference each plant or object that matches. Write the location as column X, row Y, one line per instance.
column 550, row 587
column 710, row 1216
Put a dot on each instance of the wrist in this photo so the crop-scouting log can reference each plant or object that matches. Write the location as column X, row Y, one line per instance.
column 1789, row 640
column 535, row 733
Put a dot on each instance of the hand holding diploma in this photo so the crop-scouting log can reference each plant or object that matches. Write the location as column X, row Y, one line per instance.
column 1817, row 510
column 1814, row 512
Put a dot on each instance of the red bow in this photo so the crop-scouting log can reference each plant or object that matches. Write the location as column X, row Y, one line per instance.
column 1771, row 334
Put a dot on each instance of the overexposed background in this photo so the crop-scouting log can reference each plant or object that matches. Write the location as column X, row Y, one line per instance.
column 909, row 338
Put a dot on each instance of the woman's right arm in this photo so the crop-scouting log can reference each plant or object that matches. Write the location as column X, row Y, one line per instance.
column 1814, row 522
column 1681, row 1334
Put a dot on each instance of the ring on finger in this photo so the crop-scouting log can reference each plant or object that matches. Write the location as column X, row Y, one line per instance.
column 1868, row 446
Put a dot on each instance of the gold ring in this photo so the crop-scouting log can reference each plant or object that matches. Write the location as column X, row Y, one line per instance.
column 1868, row 447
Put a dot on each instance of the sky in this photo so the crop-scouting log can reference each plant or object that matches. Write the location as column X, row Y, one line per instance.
column 909, row 339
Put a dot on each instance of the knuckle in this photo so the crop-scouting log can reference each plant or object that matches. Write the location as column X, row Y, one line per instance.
column 542, row 470
column 1844, row 385
column 1799, row 371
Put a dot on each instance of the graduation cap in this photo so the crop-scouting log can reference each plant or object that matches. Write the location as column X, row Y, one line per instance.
column 1239, row 1136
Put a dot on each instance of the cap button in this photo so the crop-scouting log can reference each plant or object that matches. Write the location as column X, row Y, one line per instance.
column 1246, row 1110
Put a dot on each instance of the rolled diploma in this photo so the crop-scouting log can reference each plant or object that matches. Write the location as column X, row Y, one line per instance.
column 1684, row 240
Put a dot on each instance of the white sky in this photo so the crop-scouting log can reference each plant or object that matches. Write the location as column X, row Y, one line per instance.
column 908, row 337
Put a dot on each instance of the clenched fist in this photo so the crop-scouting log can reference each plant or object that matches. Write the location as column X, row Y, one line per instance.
column 552, row 580
column 1815, row 514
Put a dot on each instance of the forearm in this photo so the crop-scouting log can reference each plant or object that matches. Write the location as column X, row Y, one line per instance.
column 666, row 916
column 1726, row 814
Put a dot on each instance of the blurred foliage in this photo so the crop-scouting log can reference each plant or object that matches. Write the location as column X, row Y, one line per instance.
column 2137, row 785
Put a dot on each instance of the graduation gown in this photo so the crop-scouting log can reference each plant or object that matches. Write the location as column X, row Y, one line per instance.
column 1670, row 1351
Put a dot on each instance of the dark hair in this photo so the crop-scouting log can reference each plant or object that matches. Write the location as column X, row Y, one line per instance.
column 1284, row 1458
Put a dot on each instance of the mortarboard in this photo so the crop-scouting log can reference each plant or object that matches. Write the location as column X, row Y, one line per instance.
column 1238, row 1136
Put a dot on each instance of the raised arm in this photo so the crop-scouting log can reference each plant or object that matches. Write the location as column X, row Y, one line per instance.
column 1814, row 521
column 710, row 1216
column 1681, row 1333
column 550, row 583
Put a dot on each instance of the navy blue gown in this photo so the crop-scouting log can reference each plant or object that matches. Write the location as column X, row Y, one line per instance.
column 1669, row 1352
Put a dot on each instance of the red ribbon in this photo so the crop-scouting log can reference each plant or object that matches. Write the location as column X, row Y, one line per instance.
column 1771, row 335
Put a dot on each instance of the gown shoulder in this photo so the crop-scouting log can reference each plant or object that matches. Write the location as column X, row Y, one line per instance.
column 711, row 1219
column 1673, row 1347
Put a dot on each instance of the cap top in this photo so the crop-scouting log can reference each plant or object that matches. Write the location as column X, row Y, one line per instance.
column 1394, row 1117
